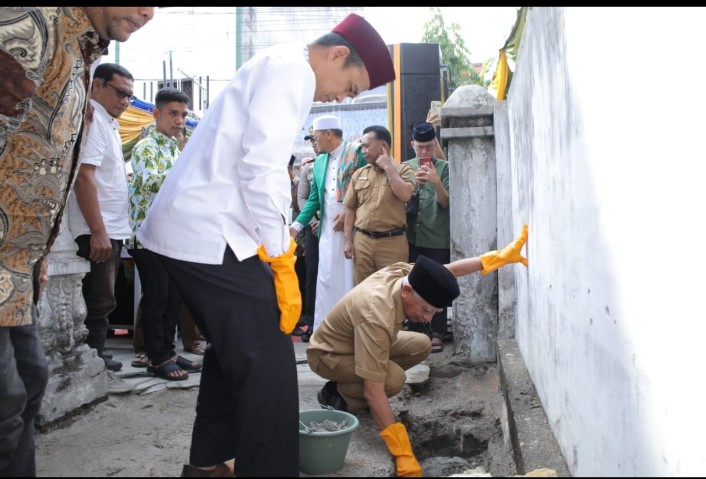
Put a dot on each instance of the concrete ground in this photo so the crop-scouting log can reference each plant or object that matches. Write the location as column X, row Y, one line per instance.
column 145, row 431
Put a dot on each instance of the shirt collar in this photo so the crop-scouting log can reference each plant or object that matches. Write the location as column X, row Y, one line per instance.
column 157, row 134
column 105, row 116
column 339, row 149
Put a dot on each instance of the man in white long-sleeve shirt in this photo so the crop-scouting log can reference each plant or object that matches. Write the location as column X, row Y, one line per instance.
column 222, row 213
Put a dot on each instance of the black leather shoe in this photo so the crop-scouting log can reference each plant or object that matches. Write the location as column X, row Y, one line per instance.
column 306, row 336
column 329, row 398
column 221, row 470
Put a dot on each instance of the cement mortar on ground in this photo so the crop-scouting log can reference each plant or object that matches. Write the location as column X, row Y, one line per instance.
column 454, row 419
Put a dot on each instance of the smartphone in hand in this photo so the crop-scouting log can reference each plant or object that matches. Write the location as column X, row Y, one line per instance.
column 434, row 110
column 425, row 161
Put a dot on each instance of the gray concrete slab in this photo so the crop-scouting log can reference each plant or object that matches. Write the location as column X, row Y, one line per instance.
column 367, row 455
column 146, row 431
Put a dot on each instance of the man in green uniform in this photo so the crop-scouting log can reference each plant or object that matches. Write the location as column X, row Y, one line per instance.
column 361, row 349
column 429, row 231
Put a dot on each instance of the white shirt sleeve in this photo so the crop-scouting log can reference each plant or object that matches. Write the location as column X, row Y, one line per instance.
column 280, row 99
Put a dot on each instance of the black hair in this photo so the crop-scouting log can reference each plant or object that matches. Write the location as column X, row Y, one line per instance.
column 105, row 71
column 381, row 133
column 334, row 39
column 168, row 95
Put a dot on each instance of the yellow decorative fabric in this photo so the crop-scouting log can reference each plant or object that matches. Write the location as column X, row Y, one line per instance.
column 132, row 122
column 507, row 58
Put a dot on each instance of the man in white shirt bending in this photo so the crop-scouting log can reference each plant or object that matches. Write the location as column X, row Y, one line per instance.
column 221, row 214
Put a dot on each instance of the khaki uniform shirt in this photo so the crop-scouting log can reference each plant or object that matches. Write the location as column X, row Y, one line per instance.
column 45, row 55
column 365, row 322
column 377, row 207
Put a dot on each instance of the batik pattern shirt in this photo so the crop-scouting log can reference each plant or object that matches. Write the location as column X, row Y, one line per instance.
column 45, row 59
column 152, row 158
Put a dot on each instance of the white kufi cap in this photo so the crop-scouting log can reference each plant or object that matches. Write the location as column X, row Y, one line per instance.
column 327, row 122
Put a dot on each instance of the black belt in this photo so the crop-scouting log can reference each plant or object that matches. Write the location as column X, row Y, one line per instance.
column 382, row 234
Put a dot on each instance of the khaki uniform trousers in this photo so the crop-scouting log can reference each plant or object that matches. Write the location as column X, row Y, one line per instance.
column 372, row 255
column 408, row 350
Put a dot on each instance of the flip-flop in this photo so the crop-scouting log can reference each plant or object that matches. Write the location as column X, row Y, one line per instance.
column 187, row 365
column 437, row 345
column 164, row 369
column 140, row 361
column 196, row 349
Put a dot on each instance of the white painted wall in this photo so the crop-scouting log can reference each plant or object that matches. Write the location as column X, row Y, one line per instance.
column 607, row 126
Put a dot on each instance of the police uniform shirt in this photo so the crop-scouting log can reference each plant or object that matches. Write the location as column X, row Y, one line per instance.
column 370, row 194
column 365, row 323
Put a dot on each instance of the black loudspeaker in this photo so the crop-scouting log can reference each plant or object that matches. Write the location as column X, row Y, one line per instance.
column 418, row 82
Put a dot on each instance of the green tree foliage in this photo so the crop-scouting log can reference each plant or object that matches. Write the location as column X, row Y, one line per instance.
column 453, row 50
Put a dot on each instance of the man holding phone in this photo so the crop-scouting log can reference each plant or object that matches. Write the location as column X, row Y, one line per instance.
column 429, row 232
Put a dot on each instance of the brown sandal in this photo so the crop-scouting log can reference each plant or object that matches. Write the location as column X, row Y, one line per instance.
column 140, row 361
column 196, row 348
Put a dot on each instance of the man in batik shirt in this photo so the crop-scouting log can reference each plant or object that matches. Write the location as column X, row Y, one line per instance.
column 45, row 58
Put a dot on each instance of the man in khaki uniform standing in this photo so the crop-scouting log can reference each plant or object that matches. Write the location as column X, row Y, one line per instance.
column 376, row 219
column 361, row 349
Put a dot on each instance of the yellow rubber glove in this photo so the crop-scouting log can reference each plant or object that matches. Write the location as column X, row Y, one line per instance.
column 493, row 260
column 395, row 436
column 289, row 297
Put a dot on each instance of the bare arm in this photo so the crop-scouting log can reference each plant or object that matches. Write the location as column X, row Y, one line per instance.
column 348, row 249
column 492, row 260
column 438, row 151
column 400, row 187
column 434, row 119
column 465, row 266
column 374, row 393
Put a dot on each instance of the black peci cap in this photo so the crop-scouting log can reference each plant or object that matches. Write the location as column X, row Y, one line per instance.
column 434, row 282
column 423, row 131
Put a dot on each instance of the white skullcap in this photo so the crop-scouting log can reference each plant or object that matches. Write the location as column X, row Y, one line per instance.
column 327, row 122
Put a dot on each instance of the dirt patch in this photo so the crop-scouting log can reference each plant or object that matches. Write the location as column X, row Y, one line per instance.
column 455, row 420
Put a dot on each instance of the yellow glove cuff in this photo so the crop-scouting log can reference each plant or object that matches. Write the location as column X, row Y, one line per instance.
column 262, row 254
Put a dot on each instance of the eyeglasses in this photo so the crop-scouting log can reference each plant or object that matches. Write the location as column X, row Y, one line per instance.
column 428, row 147
column 121, row 94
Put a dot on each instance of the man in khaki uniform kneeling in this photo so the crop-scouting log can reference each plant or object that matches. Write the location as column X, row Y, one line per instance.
column 362, row 351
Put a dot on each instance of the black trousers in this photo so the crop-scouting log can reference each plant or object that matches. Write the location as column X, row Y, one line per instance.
column 99, row 291
column 248, row 402
column 23, row 381
column 160, row 305
column 439, row 325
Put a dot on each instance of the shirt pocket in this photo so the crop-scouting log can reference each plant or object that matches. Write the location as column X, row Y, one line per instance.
column 362, row 185
column 362, row 190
